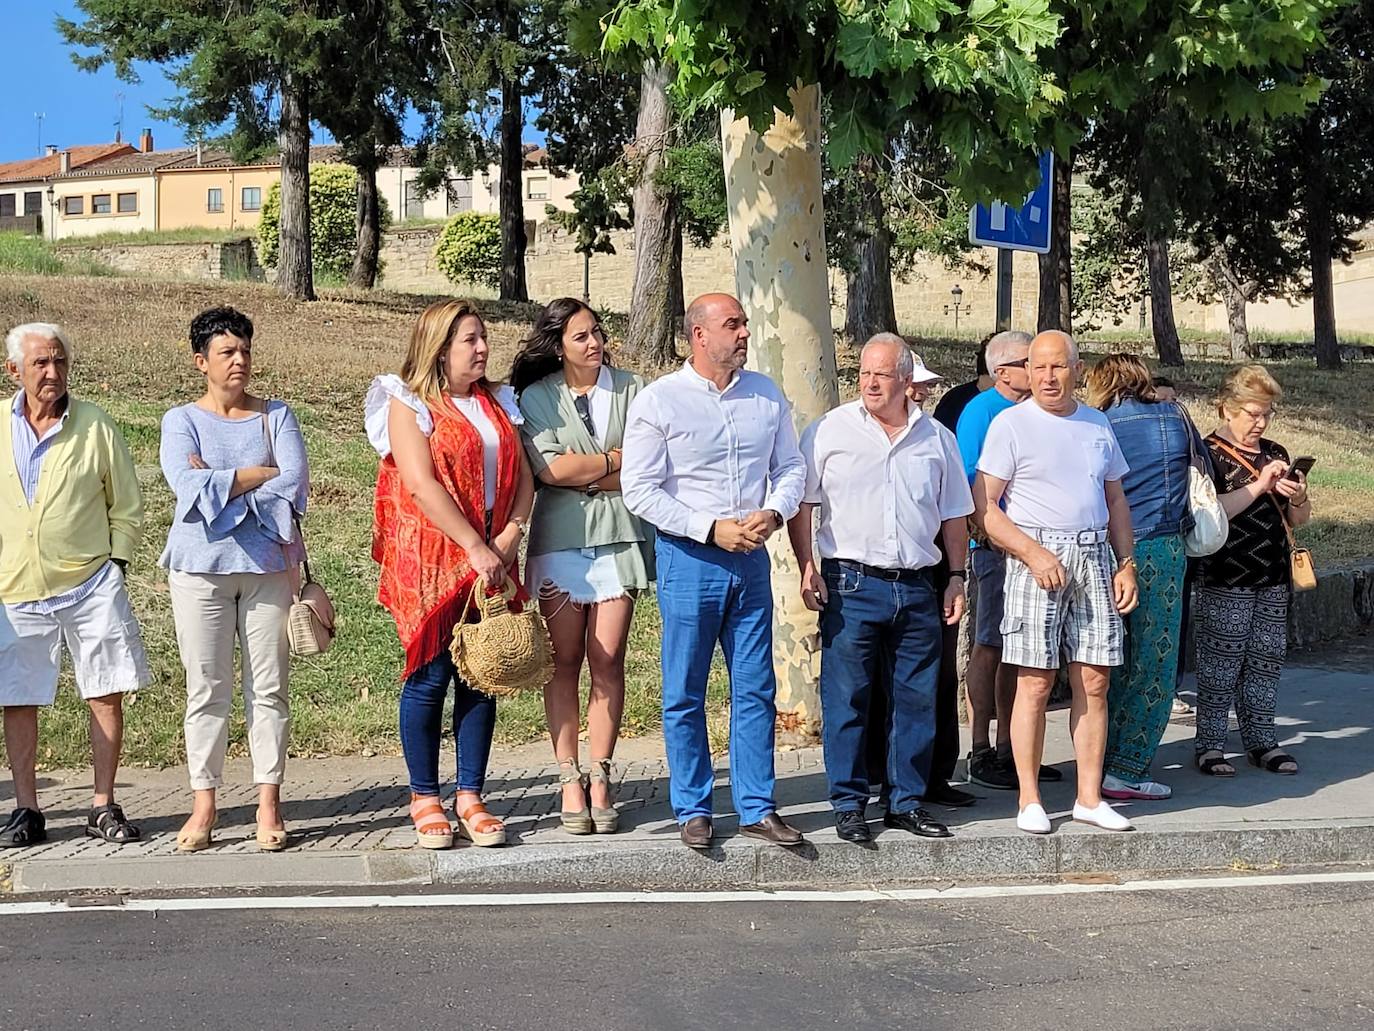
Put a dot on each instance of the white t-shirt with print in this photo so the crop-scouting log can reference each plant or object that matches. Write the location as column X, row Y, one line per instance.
column 1056, row 466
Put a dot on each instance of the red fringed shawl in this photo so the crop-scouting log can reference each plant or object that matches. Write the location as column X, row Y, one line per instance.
column 426, row 578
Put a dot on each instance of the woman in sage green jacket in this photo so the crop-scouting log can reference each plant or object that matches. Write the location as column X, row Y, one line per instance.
column 588, row 557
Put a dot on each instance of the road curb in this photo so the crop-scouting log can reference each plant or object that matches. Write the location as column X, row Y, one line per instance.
column 893, row 859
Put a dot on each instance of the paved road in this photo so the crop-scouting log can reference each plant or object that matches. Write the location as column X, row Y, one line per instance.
column 1275, row 957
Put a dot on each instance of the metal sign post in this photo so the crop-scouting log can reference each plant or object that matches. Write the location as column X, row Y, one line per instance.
column 1009, row 229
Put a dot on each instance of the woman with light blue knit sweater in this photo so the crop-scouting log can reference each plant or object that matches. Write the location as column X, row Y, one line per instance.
column 237, row 466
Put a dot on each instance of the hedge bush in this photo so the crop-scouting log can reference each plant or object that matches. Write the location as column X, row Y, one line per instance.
column 333, row 221
column 469, row 249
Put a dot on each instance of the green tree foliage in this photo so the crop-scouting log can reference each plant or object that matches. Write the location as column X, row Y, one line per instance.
column 970, row 70
column 333, row 221
column 695, row 175
column 255, row 64
column 469, row 249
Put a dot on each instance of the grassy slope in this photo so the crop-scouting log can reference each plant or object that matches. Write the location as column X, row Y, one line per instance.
column 132, row 358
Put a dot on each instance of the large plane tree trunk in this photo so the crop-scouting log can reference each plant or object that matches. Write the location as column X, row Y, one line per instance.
column 1317, row 229
column 513, row 284
column 777, row 234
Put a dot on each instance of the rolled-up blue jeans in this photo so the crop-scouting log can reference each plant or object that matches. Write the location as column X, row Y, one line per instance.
column 422, row 715
column 707, row 596
column 884, row 635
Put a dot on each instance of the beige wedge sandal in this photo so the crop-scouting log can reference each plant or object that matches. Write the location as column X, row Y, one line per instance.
column 574, row 821
column 606, row 821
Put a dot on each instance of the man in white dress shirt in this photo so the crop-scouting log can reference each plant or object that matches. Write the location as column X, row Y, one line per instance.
column 711, row 460
column 887, row 479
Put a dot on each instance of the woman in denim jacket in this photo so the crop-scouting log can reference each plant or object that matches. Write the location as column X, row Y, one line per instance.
column 1158, row 441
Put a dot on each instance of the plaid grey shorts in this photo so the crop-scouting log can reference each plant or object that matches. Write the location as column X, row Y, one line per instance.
column 1078, row 622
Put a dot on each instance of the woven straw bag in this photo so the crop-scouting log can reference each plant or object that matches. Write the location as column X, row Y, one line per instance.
column 504, row 652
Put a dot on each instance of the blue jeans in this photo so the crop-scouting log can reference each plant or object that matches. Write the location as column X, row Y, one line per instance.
column 422, row 713
column 708, row 595
column 883, row 635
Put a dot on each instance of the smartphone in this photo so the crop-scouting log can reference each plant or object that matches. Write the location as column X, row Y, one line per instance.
column 1300, row 465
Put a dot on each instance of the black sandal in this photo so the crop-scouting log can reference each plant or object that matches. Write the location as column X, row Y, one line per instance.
column 1209, row 766
column 25, row 827
column 107, row 823
column 1277, row 757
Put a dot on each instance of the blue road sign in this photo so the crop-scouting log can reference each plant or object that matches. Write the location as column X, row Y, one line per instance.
column 1026, row 228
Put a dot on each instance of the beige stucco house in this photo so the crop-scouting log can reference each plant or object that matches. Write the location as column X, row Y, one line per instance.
column 210, row 189
column 27, row 191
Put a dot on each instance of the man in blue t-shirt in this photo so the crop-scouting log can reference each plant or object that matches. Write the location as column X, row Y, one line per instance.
column 992, row 686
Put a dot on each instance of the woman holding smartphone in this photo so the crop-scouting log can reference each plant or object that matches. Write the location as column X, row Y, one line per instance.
column 1244, row 589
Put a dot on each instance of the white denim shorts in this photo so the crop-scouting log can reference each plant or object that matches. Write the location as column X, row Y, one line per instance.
column 100, row 633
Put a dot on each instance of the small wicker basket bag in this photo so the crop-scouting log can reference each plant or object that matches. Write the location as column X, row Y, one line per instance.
column 504, row 653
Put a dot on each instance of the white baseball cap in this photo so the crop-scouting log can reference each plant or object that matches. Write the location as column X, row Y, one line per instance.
column 919, row 372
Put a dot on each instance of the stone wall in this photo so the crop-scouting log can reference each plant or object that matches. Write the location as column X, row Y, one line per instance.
column 232, row 259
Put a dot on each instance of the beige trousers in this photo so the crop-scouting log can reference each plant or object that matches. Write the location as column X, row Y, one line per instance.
column 211, row 611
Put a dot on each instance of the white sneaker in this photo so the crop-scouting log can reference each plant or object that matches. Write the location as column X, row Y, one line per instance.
column 1151, row 791
column 1033, row 819
column 1103, row 816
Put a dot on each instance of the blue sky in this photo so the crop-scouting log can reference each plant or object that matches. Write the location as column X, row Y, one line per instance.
column 37, row 75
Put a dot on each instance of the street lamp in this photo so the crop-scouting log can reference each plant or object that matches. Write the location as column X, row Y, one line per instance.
column 52, row 213
column 958, row 308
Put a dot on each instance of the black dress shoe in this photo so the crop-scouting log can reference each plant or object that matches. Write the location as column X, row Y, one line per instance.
column 918, row 821
column 850, row 825
column 25, row 827
column 944, row 793
column 772, row 829
column 1049, row 775
column 696, row 832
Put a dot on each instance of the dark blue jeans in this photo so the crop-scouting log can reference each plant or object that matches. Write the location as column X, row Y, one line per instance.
column 709, row 596
column 878, row 635
column 422, row 714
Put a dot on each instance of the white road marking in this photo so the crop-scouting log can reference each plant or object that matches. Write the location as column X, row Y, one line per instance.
column 660, row 898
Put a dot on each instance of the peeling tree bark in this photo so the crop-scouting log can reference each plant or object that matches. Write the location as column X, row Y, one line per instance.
column 656, row 303
column 1162, row 302
column 1055, row 310
column 295, row 273
column 777, row 234
column 869, row 305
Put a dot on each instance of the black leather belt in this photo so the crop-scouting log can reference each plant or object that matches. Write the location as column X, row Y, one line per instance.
column 879, row 573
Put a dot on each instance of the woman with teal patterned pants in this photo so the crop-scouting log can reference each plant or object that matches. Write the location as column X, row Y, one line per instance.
column 1142, row 689
column 1158, row 440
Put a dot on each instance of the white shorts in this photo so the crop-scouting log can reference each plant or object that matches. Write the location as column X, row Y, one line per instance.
column 100, row 633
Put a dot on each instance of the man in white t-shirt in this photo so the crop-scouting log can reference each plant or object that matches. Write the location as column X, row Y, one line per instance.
column 1049, row 494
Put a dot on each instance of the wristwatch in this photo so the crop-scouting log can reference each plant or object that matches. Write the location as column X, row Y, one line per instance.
column 778, row 520
column 958, row 574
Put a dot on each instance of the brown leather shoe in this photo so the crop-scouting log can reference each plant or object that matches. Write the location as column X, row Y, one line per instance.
column 772, row 829
column 696, row 832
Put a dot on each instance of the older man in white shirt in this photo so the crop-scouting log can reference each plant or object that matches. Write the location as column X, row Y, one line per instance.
column 887, row 479
column 711, row 460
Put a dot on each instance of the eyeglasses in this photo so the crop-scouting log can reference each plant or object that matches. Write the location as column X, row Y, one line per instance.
column 1266, row 416
column 583, row 405
column 1020, row 364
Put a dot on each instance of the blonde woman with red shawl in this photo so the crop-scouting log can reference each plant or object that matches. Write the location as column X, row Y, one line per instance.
column 453, row 497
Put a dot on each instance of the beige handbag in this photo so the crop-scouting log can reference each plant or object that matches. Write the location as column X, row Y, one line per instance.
column 504, row 652
column 310, row 620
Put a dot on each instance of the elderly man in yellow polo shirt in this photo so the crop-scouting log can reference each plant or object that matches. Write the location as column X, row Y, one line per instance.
column 72, row 514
